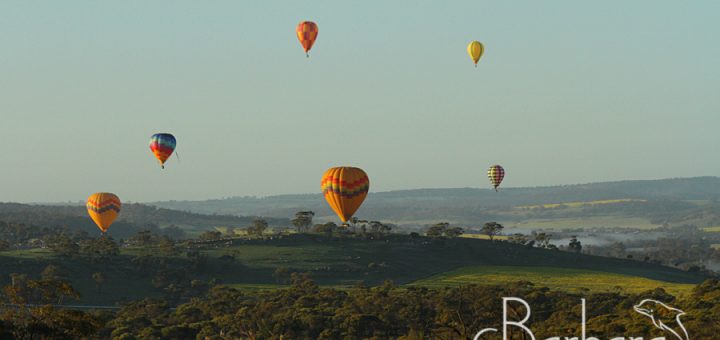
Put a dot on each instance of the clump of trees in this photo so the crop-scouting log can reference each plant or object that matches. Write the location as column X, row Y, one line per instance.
column 305, row 310
column 443, row 229
column 257, row 228
column 492, row 229
column 575, row 245
column 303, row 221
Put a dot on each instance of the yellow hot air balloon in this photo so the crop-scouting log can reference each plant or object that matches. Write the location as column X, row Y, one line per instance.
column 103, row 208
column 496, row 174
column 345, row 189
column 475, row 50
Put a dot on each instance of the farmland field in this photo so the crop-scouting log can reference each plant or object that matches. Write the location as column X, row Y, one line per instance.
column 552, row 277
column 578, row 204
column 345, row 262
column 589, row 222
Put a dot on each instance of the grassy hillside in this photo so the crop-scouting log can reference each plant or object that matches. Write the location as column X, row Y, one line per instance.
column 334, row 262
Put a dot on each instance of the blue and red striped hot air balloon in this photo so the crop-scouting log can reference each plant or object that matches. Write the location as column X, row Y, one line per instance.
column 162, row 146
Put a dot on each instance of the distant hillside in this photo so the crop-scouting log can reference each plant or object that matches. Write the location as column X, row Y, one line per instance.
column 472, row 205
column 133, row 217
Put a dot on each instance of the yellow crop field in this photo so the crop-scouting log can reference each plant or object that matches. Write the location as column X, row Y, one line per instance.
column 483, row 236
column 578, row 204
column 574, row 280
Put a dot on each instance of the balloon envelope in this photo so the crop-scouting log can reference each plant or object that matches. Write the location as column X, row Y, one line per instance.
column 307, row 32
column 475, row 50
column 345, row 189
column 162, row 146
column 103, row 208
column 496, row 174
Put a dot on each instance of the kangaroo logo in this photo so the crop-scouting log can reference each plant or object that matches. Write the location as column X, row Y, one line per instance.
column 664, row 317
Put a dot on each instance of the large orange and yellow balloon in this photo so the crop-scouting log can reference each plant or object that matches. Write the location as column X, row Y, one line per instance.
column 307, row 32
column 103, row 208
column 496, row 174
column 475, row 50
column 345, row 189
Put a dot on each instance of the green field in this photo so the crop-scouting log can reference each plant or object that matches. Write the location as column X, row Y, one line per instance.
column 574, row 280
column 344, row 262
column 712, row 229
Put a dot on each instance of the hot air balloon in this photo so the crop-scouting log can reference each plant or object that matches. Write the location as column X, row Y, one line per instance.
column 103, row 208
column 345, row 189
column 496, row 174
column 475, row 50
column 307, row 32
column 162, row 145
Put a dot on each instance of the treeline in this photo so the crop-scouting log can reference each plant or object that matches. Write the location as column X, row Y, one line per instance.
column 133, row 218
column 306, row 311
column 14, row 235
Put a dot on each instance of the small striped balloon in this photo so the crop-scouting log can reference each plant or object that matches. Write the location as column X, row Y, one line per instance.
column 307, row 32
column 496, row 174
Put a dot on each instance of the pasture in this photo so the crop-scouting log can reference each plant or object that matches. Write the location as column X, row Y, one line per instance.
column 564, row 279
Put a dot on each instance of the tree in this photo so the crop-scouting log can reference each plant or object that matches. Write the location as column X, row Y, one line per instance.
column 258, row 227
column 353, row 222
column 518, row 238
column 99, row 279
column 282, row 275
column 437, row 230
column 454, row 232
column 167, row 246
column 492, row 229
column 443, row 229
column 303, row 220
column 52, row 272
column 143, row 238
column 62, row 245
column 102, row 249
column 575, row 245
column 210, row 235
column 327, row 228
column 363, row 226
column 542, row 240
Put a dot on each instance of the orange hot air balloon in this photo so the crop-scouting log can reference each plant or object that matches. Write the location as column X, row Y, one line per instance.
column 307, row 32
column 103, row 208
column 345, row 189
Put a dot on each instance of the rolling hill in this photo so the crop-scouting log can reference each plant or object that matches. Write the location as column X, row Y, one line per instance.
column 345, row 262
column 644, row 203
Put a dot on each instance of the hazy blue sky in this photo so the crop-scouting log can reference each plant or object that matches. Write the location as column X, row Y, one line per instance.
column 567, row 92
